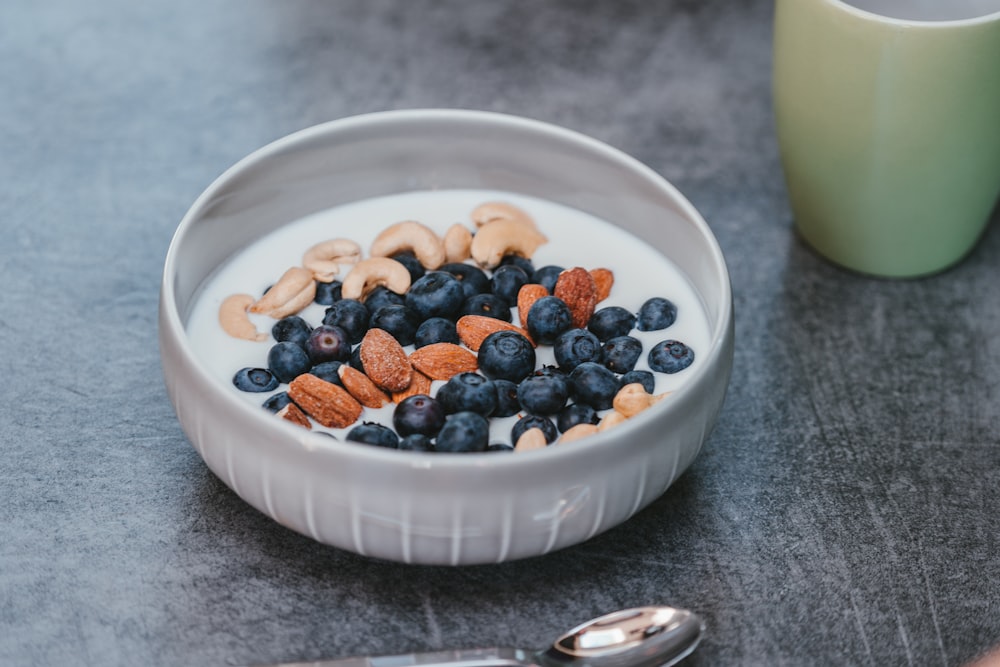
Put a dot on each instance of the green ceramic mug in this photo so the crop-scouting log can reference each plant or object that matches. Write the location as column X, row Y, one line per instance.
column 888, row 121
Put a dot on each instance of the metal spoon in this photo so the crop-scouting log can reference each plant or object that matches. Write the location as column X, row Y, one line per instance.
column 639, row 637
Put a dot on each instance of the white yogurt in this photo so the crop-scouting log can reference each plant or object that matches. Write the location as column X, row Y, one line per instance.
column 575, row 239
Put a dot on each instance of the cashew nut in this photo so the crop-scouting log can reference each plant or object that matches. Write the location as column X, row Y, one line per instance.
column 577, row 432
column 324, row 258
column 457, row 241
column 499, row 210
column 632, row 399
column 611, row 419
column 504, row 237
column 370, row 273
column 295, row 290
column 533, row 438
column 411, row 236
column 234, row 319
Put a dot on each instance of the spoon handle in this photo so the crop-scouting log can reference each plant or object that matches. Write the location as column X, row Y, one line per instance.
column 480, row 657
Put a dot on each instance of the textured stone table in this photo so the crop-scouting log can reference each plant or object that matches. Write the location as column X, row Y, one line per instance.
column 844, row 512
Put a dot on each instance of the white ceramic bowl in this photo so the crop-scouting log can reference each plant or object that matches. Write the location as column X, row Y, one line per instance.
column 440, row 508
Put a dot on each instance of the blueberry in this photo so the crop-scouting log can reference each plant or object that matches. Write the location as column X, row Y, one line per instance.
column 645, row 378
column 548, row 318
column 418, row 414
column 255, row 380
column 328, row 371
column 415, row 442
column 400, row 321
column 575, row 413
column 474, row 280
column 411, row 263
column 382, row 296
column 543, row 394
column 350, row 315
column 593, row 384
column 506, row 355
column 500, row 447
column 328, row 293
column 522, row 263
column 437, row 294
column 657, row 313
column 355, row 360
column 435, row 330
column 328, row 343
column 575, row 347
column 547, row 276
column 463, row 432
column 468, row 392
column 287, row 361
column 507, row 403
column 293, row 329
column 534, row 421
column 487, row 305
column 371, row 433
column 620, row 353
column 670, row 356
column 610, row 322
column 507, row 281
column 276, row 402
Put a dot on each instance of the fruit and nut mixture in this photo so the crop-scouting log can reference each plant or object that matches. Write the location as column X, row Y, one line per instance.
column 446, row 331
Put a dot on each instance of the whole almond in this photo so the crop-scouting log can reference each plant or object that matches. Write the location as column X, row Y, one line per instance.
column 441, row 361
column 473, row 329
column 385, row 361
column 577, row 432
column 526, row 298
column 420, row 384
column 361, row 387
column 324, row 401
column 577, row 288
column 604, row 279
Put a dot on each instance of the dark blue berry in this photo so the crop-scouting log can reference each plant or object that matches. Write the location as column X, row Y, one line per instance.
column 276, row 401
column 255, row 380
column 526, row 422
column 412, row 265
column 328, row 343
column 469, row 392
column 507, row 403
column 400, row 321
column 487, row 305
column 474, row 280
column 610, row 322
column 593, row 384
column 328, row 371
column 575, row 347
column 437, row 294
column 355, row 360
column 670, row 356
column 548, row 318
column 328, row 293
column 507, row 281
column 293, row 329
column 435, row 330
column 620, row 353
column 288, row 360
column 350, row 315
column 522, row 263
column 463, row 432
column 506, row 355
column 382, row 296
column 547, row 276
column 657, row 313
column 543, row 394
column 500, row 447
column 575, row 413
column 371, row 433
column 645, row 378
column 415, row 442
column 418, row 414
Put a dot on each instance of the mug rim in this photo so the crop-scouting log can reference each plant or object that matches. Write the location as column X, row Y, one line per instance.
column 867, row 14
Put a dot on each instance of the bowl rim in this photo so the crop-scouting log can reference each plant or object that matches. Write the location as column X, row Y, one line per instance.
column 320, row 444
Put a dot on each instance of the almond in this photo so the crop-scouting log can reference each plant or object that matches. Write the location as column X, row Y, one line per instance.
column 384, row 360
column 294, row 414
column 533, row 438
column 361, row 387
column 324, row 401
column 577, row 288
column 603, row 279
column 577, row 432
column 441, row 361
column 473, row 329
column 420, row 384
column 526, row 298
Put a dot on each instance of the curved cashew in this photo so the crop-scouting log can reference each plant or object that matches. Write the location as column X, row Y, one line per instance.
column 295, row 290
column 533, row 438
column 372, row 272
column 411, row 236
column 324, row 258
column 504, row 237
column 632, row 399
column 611, row 419
column 499, row 210
column 577, row 432
column 457, row 241
column 234, row 320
